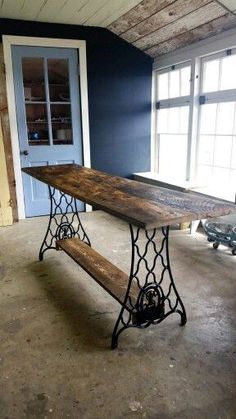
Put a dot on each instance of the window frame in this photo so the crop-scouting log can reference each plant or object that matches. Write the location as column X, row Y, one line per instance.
column 215, row 97
column 201, row 52
column 171, row 103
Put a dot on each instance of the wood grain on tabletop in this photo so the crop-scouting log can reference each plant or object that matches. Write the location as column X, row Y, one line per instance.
column 138, row 203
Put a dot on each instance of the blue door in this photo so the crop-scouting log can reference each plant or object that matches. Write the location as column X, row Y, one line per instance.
column 48, row 115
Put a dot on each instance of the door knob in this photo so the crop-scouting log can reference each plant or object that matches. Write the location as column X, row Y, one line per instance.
column 24, row 153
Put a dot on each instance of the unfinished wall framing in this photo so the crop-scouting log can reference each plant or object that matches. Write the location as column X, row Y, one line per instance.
column 8, row 204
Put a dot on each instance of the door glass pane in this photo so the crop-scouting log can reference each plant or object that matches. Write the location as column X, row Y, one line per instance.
column 58, row 79
column 172, row 127
column 162, row 86
column 223, row 148
column 37, row 124
column 185, row 81
column 33, row 79
column 204, row 174
column 35, row 101
column 59, row 92
column 172, row 157
column 228, row 80
column 174, row 83
column 233, row 158
column 61, row 124
column 208, row 119
column 225, row 118
column 211, row 71
column 221, row 177
column 206, row 149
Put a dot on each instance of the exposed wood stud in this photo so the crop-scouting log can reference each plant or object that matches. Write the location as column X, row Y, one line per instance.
column 6, row 139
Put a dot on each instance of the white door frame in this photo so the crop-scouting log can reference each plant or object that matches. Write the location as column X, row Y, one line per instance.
column 8, row 42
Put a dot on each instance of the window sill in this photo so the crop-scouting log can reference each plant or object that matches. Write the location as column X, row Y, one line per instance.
column 153, row 178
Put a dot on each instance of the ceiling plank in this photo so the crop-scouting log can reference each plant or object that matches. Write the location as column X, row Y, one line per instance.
column 22, row 9
column 111, row 11
column 137, row 14
column 30, row 9
column 164, row 17
column 50, row 10
column 68, row 10
column 204, row 31
column 88, row 10
column 128, row 5
column 230, row 4
column 204, row 14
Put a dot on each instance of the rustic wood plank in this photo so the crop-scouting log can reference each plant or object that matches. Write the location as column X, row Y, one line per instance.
column 162, row 18
column 204, row 31
column 109, row 11
column 49, row 9
column 111, row 278
column 136, row 15
column 21, row 9
column 86, row 11
column 202, row 15
column 117, row 13
column 230, row 4
column 144, row 205
column 5, row 208
column 6, row 138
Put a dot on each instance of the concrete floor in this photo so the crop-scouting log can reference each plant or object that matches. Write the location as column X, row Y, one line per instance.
column 56, row 324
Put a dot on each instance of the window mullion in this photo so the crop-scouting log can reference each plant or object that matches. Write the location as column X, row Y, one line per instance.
column 193, row 120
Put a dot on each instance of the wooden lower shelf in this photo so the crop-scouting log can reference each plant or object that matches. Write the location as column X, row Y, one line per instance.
column 111, row 278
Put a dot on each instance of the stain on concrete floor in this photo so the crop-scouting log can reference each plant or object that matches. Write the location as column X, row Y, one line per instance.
column 56, row 325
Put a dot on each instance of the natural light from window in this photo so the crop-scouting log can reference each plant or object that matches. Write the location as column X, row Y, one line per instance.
column 216, row 160
column 172, row 121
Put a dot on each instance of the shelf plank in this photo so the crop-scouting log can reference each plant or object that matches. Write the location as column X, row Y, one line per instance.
column 144, row 205
column 111, row 278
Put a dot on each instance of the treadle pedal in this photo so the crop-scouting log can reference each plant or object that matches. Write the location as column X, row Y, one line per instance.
column 148, row 314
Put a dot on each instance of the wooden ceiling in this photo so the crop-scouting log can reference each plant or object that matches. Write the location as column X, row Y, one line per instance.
column 76, row 12
column 161, row 26
column 154, row 26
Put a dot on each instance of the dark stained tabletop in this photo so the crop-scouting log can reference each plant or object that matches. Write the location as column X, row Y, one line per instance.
column 138, row 203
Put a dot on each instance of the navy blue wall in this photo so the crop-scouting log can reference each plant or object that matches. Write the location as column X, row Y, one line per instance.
column 119, row 89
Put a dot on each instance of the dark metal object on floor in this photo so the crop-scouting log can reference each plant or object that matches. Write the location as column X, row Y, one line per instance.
column 64, row 221
column 221, row 233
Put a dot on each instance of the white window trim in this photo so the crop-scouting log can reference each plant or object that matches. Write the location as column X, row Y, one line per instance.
column 172, row 103
column 80, row 45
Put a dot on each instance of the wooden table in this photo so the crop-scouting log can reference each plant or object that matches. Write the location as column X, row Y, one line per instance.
column 148, row 294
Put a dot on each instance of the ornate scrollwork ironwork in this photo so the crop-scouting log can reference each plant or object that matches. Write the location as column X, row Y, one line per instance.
column 64, row 221
column 150, row 304
column 150, row 270
column 65, row 231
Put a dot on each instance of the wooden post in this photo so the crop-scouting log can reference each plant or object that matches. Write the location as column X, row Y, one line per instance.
column 6, row 217
column 8, row 203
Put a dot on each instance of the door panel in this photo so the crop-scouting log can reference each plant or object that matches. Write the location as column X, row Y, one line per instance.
column 48, row 115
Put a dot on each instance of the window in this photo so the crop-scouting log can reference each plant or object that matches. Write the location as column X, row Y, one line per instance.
column 196, row 122
column 173, row 93
column 217, row 122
